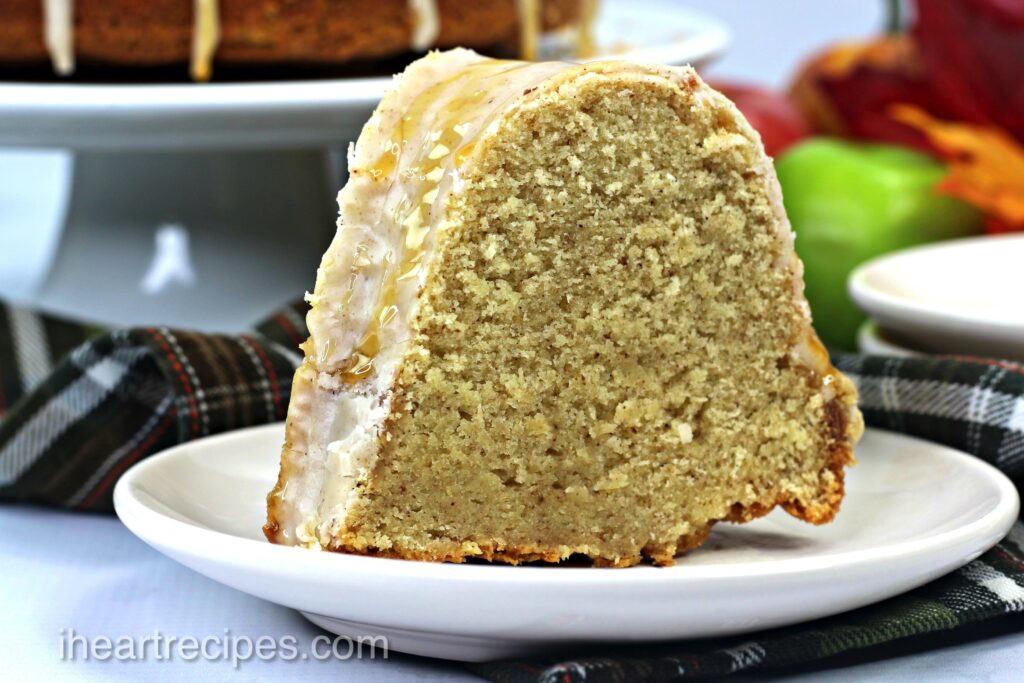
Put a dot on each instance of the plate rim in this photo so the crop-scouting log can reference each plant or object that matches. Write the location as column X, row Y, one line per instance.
column 870, row 340
column 888, row 307
column 189, row 538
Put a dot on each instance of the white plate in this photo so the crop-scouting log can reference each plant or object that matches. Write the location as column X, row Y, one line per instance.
column 294, row 113
column 961, row 297
column 914, row 511
column 871, row 339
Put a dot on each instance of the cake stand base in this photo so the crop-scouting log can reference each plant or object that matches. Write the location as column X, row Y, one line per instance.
column 209, row 240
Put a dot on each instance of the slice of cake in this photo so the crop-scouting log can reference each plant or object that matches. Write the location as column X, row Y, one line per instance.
column 562, row 315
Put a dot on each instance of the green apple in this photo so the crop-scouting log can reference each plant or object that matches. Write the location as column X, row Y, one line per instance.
column 849, row 202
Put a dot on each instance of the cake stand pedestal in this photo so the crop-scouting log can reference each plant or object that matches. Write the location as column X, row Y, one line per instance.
column 200, row 239
column 199, row 206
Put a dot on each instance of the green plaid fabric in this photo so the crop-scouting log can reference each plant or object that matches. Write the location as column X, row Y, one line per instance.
column 79, row 405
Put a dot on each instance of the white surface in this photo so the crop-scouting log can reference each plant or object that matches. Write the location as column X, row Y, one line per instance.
column 293, row 113
column 101, row 580
column 914, row 511
column 86, row 572
column 961, row 296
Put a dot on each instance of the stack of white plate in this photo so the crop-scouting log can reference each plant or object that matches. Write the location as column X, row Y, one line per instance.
column 962, row 297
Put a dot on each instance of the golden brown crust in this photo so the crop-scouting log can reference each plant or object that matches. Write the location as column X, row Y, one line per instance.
column 488, row 552
column 820, row 511
column 516, row 555
column 842, row 434
column 274, row 31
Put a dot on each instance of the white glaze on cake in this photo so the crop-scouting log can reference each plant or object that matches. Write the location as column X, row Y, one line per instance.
column 59, row 34
column 401, row 173
column 426, row 24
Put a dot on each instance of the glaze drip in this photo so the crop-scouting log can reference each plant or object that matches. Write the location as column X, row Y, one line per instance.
column 205, row 37
column 586, row 45
column 529, row 28
column 426, row 24
column 418, row 165
column 59, row 34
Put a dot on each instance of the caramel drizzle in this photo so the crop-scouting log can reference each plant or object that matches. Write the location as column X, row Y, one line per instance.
column 586, row 44
column 205, row 37
column 442, row 152
column 529, row 28
column 59, row 34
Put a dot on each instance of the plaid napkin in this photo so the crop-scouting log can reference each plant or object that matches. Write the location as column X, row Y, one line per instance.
column 79, row 405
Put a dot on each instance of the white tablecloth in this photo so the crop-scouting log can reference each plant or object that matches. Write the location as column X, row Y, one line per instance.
column 86, row 572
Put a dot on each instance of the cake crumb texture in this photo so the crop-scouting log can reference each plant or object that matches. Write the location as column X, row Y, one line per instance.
column 604, row 359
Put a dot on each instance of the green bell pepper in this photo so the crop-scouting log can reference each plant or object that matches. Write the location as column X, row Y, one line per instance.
column 849, row 202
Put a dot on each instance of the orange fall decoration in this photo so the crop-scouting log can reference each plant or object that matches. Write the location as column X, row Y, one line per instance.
column 986, row 165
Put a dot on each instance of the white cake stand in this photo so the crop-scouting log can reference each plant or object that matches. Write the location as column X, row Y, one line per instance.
column 208, row 205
